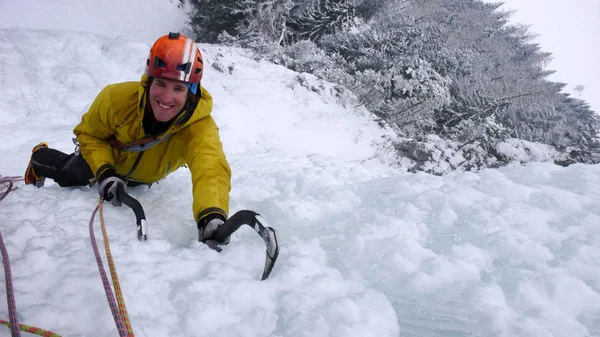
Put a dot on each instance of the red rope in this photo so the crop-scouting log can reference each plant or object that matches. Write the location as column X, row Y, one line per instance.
column 13, row 324
column 10, row 293
column 107, row 289
column 10, row 181
column 118, row 310
column 115, row 277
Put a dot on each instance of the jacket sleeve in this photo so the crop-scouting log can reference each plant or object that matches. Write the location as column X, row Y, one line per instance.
column 211, row 173
column 93, row 132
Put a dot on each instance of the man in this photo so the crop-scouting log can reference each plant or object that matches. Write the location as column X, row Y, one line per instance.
column 139, row 132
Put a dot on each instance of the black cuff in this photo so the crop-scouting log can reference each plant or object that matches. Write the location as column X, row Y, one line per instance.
column 202, row 222
column 107, row 173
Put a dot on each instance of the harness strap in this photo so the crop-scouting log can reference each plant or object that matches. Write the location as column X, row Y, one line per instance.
column 138, row 145
column 135, row 163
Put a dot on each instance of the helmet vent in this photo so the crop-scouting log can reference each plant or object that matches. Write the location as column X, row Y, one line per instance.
column 185, row 67
column 158, row 63
column 174, row 36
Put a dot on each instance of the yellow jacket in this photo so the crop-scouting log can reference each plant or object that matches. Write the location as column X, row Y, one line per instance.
column 117, row 113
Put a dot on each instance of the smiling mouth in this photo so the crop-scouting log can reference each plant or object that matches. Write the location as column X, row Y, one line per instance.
column 164, row 106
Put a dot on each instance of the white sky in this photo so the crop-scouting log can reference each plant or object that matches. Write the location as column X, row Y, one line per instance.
column 570, row 31
column 366, row 249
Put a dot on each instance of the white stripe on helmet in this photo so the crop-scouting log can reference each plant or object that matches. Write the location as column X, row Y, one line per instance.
column 186, row 58
column 194, row 50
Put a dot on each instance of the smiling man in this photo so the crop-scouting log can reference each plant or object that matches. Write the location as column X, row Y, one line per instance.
column 137, row 133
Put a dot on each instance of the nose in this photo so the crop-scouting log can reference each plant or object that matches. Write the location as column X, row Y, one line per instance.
column 165, row 94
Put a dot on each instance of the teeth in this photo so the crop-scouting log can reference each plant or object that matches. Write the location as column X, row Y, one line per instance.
column 164, row 106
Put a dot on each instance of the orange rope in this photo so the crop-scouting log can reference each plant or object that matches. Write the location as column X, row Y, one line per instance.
column 32, row 329
column 115, row 278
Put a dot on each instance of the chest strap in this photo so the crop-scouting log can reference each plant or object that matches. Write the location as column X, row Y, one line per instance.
column 138, row 145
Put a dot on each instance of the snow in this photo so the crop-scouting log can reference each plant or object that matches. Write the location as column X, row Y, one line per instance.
column 366, row 248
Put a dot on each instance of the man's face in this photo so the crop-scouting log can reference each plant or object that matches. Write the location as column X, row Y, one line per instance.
column 167, row 98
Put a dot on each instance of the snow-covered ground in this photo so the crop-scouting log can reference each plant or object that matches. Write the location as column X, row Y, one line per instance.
column 366, row 249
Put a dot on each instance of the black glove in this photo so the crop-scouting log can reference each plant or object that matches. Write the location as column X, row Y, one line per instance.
column 207, row 226
column 109, row 180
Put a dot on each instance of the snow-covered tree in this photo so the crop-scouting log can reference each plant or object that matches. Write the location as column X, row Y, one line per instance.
column 453, row 68
column 312, row 19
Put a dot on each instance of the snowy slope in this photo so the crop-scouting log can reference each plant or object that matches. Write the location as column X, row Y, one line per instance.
column 366, row 249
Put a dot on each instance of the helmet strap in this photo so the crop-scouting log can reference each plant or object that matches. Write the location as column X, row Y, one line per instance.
column 193, row 87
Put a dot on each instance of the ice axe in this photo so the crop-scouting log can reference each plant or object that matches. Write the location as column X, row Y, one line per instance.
column 244, row 217
column 138, row 210
column 254, row 220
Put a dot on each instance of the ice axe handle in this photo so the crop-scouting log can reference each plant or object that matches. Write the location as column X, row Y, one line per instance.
column 138, row 210
column 226, row 229
column 268, row 234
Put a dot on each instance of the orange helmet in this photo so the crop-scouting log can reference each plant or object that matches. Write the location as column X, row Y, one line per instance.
column 177, row 57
